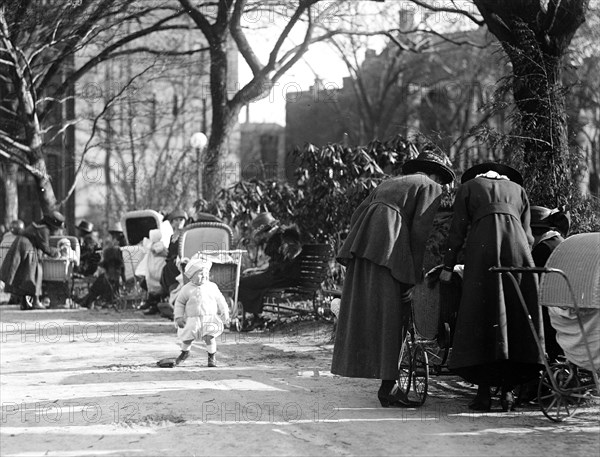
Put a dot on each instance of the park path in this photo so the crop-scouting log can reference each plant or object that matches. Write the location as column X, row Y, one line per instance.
column 85, row 383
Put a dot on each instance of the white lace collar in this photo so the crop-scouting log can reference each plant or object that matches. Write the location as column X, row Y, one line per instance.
column 492, row 175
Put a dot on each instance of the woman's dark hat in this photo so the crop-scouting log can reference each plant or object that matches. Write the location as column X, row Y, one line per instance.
column 499, row 168
column 177, row 214
column 54, row 219
column 542, row 217
column 431, row 161
column 263, row 222
column 86, row 226
column 116, row 228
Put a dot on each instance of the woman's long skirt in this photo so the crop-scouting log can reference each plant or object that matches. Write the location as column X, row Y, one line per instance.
column 373, row 311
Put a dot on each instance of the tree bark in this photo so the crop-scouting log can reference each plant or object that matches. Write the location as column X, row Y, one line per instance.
column 8, row 181
column 535, row 38
column 539, row 96
column 220, row 128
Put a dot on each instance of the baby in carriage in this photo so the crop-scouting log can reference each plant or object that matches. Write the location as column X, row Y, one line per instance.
column 65, row 251
column 200, row 310
column 571, row 339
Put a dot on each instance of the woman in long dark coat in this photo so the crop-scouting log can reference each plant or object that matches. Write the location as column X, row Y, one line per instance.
column 493, row 345
column 21, row 270
column 384, row 256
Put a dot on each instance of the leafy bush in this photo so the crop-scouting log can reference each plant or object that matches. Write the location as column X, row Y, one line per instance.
column 331, row 181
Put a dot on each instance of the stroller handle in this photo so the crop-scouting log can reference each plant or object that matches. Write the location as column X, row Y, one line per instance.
column 524, row 270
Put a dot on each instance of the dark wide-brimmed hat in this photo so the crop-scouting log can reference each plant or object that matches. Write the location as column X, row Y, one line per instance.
column 431, row 161
column 262, row 223
column 86, row 226
column 54, row 219
column 542, row 217
column 177, row 214
column 499, row 168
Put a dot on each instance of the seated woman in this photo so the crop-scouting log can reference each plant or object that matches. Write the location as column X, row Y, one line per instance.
column 107, row 285
column 282, row 245
column 21, row 270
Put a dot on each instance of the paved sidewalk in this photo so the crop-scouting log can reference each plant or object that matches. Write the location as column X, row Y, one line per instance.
column 78, row 382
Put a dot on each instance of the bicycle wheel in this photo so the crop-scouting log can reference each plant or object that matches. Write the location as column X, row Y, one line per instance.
column 405, row 365
column 420, row 374
column 558, row 404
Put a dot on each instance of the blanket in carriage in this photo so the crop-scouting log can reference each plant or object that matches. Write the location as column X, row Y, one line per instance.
column 570, row 339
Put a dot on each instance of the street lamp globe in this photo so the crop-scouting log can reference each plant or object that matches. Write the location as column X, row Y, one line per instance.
column 198, row 140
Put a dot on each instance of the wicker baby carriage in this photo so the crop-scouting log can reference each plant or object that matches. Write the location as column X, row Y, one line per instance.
column 57, row 273
column 569, row 287
column 136, row 227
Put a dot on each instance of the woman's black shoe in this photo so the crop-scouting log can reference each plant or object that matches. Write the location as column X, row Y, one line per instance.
column 481, row 404
column 392, row 399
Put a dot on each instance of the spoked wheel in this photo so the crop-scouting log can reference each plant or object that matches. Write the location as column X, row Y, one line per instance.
column 420, row 375
column 240, row 317
column 405, row 365
column 559, row 404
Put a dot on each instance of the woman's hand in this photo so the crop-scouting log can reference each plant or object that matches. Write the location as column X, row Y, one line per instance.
column 180, row 321
column 446, row 275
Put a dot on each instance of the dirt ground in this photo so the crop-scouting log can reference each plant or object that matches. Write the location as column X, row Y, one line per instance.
column 85, row 383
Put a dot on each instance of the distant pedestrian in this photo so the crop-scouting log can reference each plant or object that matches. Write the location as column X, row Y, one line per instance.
column 90, row 249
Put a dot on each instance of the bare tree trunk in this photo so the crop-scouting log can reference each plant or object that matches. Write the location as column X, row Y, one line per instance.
column 536, row 36
column 539, row 97
column 8, row 181
column 224, row 116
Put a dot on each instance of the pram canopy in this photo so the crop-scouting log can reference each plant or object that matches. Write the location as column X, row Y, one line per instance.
column 579, row 258
column 137, row 224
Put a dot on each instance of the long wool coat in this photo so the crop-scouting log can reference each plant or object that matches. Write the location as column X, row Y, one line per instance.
column 21, row 270
column 492, row 341
column 384, row 255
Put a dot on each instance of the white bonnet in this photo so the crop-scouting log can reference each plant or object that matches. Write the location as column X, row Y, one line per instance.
column 63, row 241
column 196, row 265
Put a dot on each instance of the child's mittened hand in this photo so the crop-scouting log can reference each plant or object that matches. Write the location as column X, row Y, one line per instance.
column 180, row 322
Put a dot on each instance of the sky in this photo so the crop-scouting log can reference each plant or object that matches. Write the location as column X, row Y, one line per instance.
column 322, row 60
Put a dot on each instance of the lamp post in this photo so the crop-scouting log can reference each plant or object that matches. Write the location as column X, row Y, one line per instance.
column 198, row 141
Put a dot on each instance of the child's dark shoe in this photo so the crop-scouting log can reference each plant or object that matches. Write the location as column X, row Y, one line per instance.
column 212, row 361
column 182, row 357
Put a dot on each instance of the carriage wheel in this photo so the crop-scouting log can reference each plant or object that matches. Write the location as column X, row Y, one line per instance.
column 420, row 374
column 557, row 405
column 405, row 365
column 238, row 321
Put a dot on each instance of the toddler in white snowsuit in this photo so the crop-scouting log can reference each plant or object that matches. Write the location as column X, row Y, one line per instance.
column 200, row 310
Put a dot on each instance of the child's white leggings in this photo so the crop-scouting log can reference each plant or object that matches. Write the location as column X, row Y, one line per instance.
column 211, row 344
